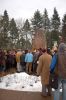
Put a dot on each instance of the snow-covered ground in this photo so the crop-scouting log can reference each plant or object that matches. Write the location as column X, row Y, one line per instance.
column 21, row 82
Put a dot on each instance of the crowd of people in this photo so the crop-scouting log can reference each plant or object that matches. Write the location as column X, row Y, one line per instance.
column 38, row 62
column 26, row 60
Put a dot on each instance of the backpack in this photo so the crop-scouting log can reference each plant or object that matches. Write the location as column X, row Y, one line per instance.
column 53, row 63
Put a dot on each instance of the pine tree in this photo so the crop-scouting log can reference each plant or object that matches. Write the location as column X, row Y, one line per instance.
column 13, row 32
column 37, row 20
column 26, row 31
column 46, row 21
column 5, row 20
column 46, row 25
column 55, row 21
column 55, row 25
column 1, row 29
column 26, row 26
column 4, row 30
column 64, row 27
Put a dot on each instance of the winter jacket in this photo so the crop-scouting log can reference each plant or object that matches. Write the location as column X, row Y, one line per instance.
column 62, row 60
column 43, row 68
column 29, row 57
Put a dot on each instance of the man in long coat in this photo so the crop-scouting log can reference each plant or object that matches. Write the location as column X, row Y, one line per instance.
column 43, row 70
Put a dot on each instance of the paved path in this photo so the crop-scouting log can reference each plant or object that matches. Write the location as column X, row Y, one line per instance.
column 20, row 95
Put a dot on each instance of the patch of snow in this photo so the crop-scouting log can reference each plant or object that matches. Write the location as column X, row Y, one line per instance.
column 21, row 82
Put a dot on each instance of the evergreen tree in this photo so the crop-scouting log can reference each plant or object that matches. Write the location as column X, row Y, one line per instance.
column 55, row 25
column 1, row 29
column 26, row 31
column 46, row 25
column 46, row 21
column 55, row 21
column 4, row 30
column 37, row 20
column 13, row 32
column 26, row 26
column 5, row 20
column 64, row 27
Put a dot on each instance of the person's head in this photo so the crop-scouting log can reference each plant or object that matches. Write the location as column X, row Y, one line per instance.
column 55, row 51
column 44, row 50
column 62, row 48
column 26, row 51
column 48, row 51
column 61, row 39
column 23, row 52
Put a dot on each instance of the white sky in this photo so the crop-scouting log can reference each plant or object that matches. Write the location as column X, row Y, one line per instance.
column 26, row 8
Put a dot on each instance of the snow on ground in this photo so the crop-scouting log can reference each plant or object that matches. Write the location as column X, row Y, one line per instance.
column 21, row 81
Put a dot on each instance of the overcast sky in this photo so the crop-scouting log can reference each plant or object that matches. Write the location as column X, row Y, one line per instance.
column 26, row 8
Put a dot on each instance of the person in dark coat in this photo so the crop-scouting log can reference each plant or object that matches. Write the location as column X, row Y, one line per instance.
column 61, row 70
column 22, row 61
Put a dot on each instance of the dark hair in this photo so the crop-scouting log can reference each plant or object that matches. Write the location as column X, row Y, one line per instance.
column 48, row 50
column 43, row 50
